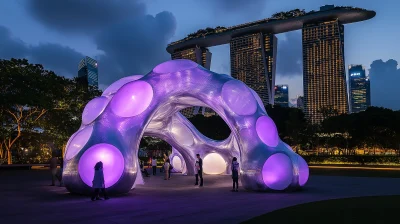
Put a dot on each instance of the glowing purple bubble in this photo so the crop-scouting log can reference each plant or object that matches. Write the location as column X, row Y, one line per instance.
column 132, row 99
column 266, row 131
column 78, row 141
column 239, row 98
column 175, row 66
column 93, row 109
column 259, row 101
column 118, row 84
column 277, row 171
column 303, row 171
column 113, row 164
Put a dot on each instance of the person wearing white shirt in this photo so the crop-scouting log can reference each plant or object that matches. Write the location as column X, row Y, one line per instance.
column 154, row 165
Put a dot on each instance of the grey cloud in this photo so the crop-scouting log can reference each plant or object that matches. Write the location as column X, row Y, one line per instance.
column 135, row 46
column 83, row 15
column 237, row 6
column 132, row 42
column 11, row 47
column 385, row 79
column 289, row 59
column 62, row 60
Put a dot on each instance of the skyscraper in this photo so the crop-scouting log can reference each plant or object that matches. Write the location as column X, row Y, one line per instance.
column 253, row 60
column 300, row 102
column 324, row 76
column 202, row 56
column 282, row 95
column 87, row 72
column 359, row 85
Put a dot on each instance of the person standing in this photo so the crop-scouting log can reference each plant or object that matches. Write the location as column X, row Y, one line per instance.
column 98, row 182
column 235, row 174
column 154, row 165
column 199, row 170
column 166, row 169
column 61, row 171
column 53, row 169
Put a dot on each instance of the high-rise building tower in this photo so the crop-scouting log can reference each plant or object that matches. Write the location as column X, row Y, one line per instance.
column 253, row 61
column 300, row 102
column 281, row 95
column 359, row 85
column 324, row 76
column 87, row 72
column 202, row 56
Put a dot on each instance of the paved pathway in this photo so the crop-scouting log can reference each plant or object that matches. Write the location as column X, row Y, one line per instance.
column 25, row 197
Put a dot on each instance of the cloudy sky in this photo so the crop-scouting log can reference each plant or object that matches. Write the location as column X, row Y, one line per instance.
column 130, row 36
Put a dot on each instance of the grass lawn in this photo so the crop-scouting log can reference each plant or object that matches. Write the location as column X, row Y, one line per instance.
column 377, row 209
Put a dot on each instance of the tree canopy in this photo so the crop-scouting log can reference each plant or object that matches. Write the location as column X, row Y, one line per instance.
column 35, row 100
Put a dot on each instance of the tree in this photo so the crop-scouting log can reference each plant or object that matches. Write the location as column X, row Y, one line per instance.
column 33, row 99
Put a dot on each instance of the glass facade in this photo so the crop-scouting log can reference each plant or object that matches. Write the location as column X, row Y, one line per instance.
column 282, row 95
column 202, row 56
column 88, row 72
column 324, row 76
column 253, row 61
column 359, row 85
column 300, row 103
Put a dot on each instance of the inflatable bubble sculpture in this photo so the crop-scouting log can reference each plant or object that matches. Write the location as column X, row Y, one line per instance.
column 136, row 106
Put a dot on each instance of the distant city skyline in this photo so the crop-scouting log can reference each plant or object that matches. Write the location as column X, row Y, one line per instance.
column 110, row 32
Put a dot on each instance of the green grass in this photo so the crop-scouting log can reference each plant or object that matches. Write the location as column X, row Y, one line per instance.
column 365, row 210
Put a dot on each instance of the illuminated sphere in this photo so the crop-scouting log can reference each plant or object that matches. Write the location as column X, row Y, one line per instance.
column 110, row 156
column 239, row 98
column 278, row 171
column 78, row 141
column 267, row 131
column 213, row 163
column 93, row 109
column 132, row 99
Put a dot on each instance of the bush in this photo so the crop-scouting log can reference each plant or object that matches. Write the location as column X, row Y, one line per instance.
column 353, row 160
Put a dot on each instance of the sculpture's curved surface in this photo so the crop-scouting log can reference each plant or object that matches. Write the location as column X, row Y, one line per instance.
column 137, row 106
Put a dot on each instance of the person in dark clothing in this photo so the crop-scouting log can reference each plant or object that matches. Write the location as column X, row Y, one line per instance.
column 98, row 182
column 170, row 168
column 235, row 174
column 199, row 170
column 143, row 169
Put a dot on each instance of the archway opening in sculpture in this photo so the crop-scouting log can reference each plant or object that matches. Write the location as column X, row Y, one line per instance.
column 137, row 106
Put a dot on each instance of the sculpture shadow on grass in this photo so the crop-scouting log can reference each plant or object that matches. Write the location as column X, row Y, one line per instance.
column 136, row 106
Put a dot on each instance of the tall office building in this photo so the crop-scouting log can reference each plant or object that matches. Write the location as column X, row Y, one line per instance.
column 300, row 102
column 87, row 72
column 253, row 61
column 202, row 56
column 324, row 76
column 359, row 85
column 281, row 95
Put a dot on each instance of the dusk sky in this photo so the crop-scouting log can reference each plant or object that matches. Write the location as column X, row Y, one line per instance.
column 130, row 37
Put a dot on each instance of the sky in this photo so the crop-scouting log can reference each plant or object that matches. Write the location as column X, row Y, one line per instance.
column 129, row 37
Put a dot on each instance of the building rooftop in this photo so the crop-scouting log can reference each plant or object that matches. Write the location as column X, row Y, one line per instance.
column 278, row 23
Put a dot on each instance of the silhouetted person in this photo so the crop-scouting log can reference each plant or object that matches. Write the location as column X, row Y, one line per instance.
column 53, row 169
column 61, row 171
column 166, row 169
column 199, row 170
column 98, row 182
column 154, row 165
column 235, row 174
column 169, row 168
column 143, row 169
